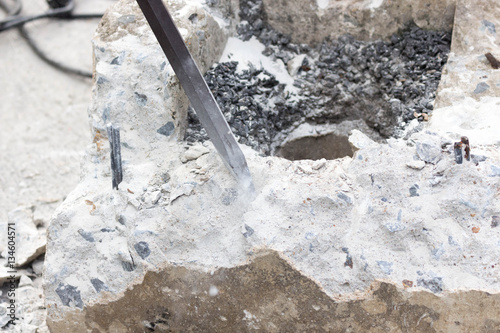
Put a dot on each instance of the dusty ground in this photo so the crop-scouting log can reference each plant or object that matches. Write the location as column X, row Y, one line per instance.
column 43, row 125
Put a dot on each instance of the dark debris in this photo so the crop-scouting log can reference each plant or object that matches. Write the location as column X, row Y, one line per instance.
column 384, row 83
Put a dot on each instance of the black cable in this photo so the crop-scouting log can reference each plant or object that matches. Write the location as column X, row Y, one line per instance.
column 17, row 20
column 42, row 55
column 14, row 10
column 14, row 20
column 80, row 16
column 57, row 3
column 63, row 12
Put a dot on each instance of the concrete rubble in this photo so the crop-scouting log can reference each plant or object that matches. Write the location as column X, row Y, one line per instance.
column 398, row 237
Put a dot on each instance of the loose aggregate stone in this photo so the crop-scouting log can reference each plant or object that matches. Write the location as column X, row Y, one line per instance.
column 385, row 83
column 253, row 104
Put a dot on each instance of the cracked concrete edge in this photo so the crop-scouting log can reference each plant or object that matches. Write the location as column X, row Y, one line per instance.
column 269, row 294
column 469, row 90
column 468, row 74
column 124, row 28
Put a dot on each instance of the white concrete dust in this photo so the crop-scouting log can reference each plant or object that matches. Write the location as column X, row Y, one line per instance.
column 249, row 53
column 322, row 4
column 478, row 120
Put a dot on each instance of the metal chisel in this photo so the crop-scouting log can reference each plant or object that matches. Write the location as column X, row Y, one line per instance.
column 196, row 89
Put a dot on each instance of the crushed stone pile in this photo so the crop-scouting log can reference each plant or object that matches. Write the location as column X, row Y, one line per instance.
column 385, row 83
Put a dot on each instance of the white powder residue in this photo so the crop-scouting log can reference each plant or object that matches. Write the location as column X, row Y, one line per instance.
column 476, row 120
column 184, row 32
column 248, row 53
column 213, row 291
column 188, row 9
column 322, row 4
column 375, row 4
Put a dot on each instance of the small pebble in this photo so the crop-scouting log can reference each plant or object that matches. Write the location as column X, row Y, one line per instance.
column 319, row 164
column 195, row 152
column 417, row 165
column 25, row 281
column 37, row 267
column 495, row 221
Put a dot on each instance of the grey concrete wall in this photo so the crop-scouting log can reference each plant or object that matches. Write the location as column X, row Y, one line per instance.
column 310, row 21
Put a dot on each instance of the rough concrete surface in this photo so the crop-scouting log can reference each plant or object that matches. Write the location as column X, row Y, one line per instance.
column 363, row 19
column 468, row 74
column 268, row 295
column 396, row 238
column 469, row 92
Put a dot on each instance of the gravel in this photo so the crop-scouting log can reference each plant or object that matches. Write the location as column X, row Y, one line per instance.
column 254, row 104
column 385, row 83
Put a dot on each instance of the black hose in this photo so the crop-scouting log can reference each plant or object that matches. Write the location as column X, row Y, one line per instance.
column 63, row 10
column 14, row 10
column 42, row 55
column 17, row 20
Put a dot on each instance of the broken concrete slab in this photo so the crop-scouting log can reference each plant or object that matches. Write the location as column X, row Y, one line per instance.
column 354, row 209
column 328, row 242
column 469, row 90
column 264, row 295
column 468, row 74
column 119, row 47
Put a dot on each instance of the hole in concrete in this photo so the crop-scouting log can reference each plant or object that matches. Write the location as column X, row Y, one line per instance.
column 329, row 146
column 381, row 85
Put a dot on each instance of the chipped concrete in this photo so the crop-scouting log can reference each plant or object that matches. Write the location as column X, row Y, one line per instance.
column 268, row 294
column 397, row 237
